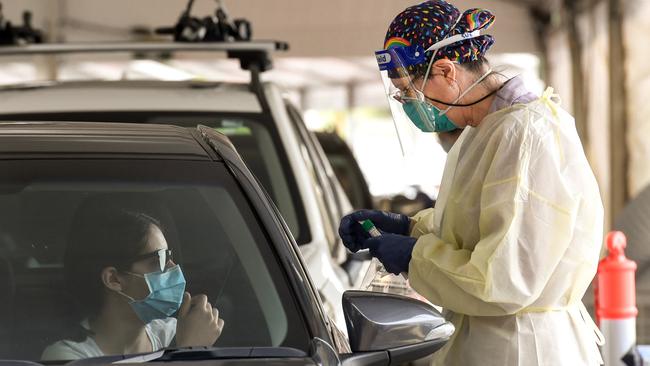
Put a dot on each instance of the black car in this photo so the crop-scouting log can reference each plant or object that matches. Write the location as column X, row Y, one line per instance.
column 223, row 229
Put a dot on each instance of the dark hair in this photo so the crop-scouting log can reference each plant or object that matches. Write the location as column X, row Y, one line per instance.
column 101, row 237
column 476, row 67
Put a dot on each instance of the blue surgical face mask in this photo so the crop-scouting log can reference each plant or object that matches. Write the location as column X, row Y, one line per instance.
column 427, row 117
column 166, row 291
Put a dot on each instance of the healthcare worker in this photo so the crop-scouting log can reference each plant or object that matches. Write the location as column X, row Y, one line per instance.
column 514, row 239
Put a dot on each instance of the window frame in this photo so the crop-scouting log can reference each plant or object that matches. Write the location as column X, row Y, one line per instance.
column 117, row 116
column 253, row 204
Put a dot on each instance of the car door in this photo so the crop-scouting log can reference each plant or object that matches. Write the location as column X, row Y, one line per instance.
column 336, row 204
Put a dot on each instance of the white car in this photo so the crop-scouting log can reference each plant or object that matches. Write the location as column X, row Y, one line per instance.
column 265, row 128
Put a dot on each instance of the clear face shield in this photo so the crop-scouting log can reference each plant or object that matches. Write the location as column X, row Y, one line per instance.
column 405, row 71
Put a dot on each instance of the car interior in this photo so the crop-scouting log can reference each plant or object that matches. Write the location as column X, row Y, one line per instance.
column 34, row 229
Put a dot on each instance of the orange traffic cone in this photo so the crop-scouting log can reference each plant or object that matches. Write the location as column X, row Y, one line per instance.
column 616, row 300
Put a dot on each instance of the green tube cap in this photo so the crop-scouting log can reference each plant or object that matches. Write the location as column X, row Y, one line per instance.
column 367, row 225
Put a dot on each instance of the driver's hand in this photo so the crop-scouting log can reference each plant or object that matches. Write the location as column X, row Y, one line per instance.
column 198, row 322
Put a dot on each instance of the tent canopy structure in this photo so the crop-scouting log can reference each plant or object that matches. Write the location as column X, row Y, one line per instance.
column 337, row 28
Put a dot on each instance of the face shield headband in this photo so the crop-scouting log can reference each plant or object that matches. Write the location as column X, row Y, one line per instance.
column 442, row 44
column 409, row 57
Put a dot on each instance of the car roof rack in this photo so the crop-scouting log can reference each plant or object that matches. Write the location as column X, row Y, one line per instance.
column 191, row 34
column 253, row 56
column 113, row 47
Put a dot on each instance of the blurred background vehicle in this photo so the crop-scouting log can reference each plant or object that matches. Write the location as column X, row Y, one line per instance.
column 347, row 170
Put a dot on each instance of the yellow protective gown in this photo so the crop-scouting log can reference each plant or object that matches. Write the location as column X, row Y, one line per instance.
column 513, row 242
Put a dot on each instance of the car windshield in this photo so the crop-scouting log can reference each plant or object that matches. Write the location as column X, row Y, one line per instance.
column 82, row 244
column 257, row 142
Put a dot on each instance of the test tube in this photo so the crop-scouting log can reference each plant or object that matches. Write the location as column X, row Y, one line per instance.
column 370, row 228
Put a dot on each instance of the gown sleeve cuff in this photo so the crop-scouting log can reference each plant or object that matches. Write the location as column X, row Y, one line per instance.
column 422, row 223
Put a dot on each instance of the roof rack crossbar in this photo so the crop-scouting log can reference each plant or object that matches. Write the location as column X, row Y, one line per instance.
column 252, row 56
column 127, row 47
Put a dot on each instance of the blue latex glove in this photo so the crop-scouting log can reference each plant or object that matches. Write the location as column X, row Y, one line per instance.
column 393, row 251
column 353, row 234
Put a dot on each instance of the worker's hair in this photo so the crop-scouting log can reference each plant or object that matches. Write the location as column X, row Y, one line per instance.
column 479, row 66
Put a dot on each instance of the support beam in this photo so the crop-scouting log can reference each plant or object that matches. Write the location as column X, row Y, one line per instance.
column 303, row 92
column 47, row 65
column 350, row 90
column 541, row 26
column 577, row 73
column 618, row 112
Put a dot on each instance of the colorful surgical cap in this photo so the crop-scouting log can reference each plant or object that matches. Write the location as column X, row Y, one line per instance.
column 434, row 20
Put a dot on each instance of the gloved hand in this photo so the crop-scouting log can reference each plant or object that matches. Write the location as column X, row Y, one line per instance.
column 353, row 234
column 392, row 250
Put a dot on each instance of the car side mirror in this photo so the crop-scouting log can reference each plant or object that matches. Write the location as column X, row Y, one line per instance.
column 406, row 328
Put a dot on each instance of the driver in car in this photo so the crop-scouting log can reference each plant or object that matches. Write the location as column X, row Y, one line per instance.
column 120, row 271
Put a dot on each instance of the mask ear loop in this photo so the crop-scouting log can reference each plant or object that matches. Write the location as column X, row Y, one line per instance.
column 467, row 90
column 127, row 296
column 136, row 275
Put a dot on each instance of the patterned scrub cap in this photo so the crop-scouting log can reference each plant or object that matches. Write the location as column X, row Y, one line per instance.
column 432, row 21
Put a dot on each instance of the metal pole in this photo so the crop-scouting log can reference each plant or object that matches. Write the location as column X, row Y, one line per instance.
column 48, row 65
column 579, row 95
column 541, row 22
column 618, row 109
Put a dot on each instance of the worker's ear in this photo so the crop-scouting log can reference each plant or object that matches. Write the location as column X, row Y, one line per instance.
column 111, row 278
column 445, row 68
